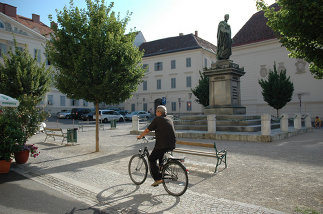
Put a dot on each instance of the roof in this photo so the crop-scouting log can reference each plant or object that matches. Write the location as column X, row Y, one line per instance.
column 255, row 30
column 176, row 44
column 34, row 24
column 38, row 27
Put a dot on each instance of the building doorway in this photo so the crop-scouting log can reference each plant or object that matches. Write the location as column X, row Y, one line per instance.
column 157, row 102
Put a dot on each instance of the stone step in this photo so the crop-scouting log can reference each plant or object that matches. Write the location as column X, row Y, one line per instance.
column 238, row 117
column 249, row 128
column 191, row 127
column 190, row 122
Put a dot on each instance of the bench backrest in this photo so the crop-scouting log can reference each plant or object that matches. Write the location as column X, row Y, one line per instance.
column 50, row 129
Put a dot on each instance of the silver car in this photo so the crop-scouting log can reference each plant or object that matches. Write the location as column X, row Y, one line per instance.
column 141, row 114
column 108, row 115
column 64, row 114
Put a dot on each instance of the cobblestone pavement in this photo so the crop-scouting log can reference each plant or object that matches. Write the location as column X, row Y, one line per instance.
column 271, row 177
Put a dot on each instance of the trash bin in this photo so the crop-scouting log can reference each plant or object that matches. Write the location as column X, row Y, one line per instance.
column 72, row 135
column 113, row 124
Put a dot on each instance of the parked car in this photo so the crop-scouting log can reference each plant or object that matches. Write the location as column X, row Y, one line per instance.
column 78, row 112
column 123, row 112
column 140, row 114
column 64, row 114
column 88, row 116
column 108, row 115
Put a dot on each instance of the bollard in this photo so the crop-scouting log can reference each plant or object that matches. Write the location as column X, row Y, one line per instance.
column 135, row 123
column 265, row 124
column 308, row 121
column 284, row 123
column 211, row 123
column 298, row 121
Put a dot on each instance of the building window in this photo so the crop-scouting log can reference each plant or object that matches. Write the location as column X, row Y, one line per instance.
column 62, row 100
column 173, row 106
column 173, row 83
column 159, row 84
column 133, row 107
column 47, row 61
column 19, row 49
column 188, row 62
column 145, row 67
column 189, row 106
column 205, row 62
column 3, row 49
column 173, row 64
column 85, row 103
column 50, row 99
column 188, row 81
column 145, row 106
column 144, row 85
column 37, row 55
column 158, row 66
column 1, row 25
column 74, row 102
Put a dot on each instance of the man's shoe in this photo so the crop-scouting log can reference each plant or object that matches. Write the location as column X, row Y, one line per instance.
column 156, row 183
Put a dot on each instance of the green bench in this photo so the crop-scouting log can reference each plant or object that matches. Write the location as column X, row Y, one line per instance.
column 221, row 156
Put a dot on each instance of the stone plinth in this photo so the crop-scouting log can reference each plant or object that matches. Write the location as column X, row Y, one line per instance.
column 224, row 91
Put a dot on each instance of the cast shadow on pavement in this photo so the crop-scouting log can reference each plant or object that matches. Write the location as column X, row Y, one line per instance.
column 130, row 198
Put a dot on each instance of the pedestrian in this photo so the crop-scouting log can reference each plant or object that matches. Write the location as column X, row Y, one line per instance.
column 317, row 122
column 165, row 141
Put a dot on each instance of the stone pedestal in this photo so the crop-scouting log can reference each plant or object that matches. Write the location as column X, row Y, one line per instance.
column 224, row 91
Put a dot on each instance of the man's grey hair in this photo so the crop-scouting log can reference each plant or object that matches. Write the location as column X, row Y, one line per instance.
column 162, row 109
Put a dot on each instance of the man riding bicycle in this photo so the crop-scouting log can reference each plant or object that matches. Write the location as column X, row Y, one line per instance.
column 165, row 141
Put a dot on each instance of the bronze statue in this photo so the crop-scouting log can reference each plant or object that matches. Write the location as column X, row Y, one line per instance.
column 224, row 39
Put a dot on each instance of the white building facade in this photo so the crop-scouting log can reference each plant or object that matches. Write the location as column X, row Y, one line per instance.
column 256, row 48
column 34, row 34
column 172, row 70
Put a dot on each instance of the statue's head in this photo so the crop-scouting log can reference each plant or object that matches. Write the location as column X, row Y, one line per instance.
column 226, row 17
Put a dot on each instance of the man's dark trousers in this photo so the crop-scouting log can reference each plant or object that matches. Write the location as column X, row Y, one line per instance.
column 156, row 154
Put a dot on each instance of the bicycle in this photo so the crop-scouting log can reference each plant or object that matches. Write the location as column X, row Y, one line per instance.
column 174, row 173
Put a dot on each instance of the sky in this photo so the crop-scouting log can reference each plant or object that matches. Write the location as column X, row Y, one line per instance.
column 158, row 19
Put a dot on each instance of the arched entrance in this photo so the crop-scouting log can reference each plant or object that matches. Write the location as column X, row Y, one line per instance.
column 157, row 102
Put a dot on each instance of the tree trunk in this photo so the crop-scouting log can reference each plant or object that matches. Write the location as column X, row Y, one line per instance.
column 97, row 147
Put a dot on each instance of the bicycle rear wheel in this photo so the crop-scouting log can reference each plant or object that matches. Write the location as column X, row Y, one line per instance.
column 138, row 169
column 175, row 178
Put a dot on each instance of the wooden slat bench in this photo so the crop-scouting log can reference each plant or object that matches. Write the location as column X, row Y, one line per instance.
column 221, row 156
column 55, row 133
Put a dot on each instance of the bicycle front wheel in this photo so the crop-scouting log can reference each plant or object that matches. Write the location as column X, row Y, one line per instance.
column 175, row 178
column 138, row 169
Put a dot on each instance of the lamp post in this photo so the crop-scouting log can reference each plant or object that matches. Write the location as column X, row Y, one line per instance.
column 179, row 106
column 299, row 95
column 137, row 96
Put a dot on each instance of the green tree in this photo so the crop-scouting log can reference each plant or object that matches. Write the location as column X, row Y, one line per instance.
column 298, row 23
column 95, row 59
column 201, row 91
column 23, row 78
column 277, row 89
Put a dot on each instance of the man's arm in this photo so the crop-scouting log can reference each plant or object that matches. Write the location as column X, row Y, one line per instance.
column 146, row 131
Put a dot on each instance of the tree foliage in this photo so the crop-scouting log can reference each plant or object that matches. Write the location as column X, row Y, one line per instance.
column 298, row 23
column 201, row 91
column 23, row 78
column 277, row 89
column 95, row 59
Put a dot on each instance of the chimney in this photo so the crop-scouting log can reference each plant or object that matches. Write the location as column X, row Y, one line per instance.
column 8, row 10
column 181, row 34
column 196, row 33
column 53, row 24
column 36, row 18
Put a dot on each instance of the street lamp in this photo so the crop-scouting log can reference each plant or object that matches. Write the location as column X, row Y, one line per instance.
column 137, row 96
column 179, row 106
column 299, row 95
